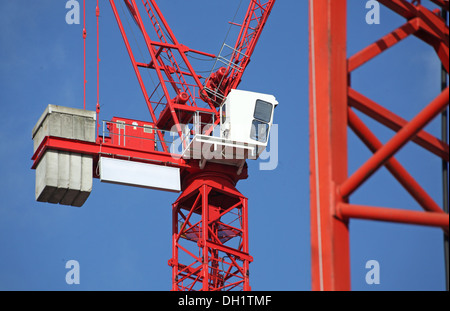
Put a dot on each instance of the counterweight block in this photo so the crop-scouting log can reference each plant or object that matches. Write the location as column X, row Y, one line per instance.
column 64, row 177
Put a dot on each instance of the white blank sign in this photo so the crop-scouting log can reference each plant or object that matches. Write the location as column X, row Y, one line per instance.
column 140, row 174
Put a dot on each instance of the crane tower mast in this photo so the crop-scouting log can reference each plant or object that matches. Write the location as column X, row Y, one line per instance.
column 333, row 106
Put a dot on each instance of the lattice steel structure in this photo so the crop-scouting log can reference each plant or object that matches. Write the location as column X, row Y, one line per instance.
column 332, row 110
column 210, row 215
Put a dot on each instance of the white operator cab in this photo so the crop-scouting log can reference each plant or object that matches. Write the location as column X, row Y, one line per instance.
column 247, row 117
column 245, row 122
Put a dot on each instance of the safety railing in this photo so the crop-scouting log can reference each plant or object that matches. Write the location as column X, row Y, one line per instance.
column 145, row 137
column 137, row 136
column 159, row 101
column 224, row 60
column 201, row 123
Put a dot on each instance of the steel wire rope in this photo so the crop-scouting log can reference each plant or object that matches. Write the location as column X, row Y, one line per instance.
column 227, row 34
column 232, row 22
column 138, row 46
column 198, row 58
column 184, row 68
column 84, row 54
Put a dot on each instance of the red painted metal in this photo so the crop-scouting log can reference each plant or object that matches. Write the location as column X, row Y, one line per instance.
column 331, row 103
column 210, row 216
column 107, row 149
column 383, row 44
column 396, row 169
column 399, row 140
column 133, row 134
column 328, row 144
column 442, row 3
column 257, row 13
column 221, row 233
column 167, row 53
column 210, row 232
column 394, row 215
column 136, row 69
column 394, row 122
column 208, row 194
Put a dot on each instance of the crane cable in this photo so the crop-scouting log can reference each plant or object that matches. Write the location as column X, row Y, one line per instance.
column 97, row 13
column 84, row 54
column 139, row 47
column 232, row 22
column 97, row 107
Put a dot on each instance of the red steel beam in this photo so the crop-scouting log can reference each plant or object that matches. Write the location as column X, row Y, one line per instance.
column 393, row 166
column 393, row 145
column 136, row 70
column 330, row 96
column 229, row 250
column 255, row 19
column 205, row 190
column 401, row 7
column 423, row 23
column 432, row 24
column 210, row 270
column 181, row 48
column 442, row 3
column 394, row 215
column 394, row 122
column 383, row 44
column 330, row 253
column 158, row 68
column 90, row 148
column 245, row 240
column 426, row 25
column 433, row 30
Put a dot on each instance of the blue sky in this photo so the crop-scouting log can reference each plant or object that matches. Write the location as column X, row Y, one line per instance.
column 122, row 236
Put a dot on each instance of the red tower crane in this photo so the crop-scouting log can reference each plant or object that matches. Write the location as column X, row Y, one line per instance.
column 210, row 229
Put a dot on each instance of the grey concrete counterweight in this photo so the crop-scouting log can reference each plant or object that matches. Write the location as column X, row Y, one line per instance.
column 64, row 177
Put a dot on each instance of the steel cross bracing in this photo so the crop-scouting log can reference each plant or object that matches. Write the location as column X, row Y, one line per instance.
column 209, row 197
column 333, row 103
column 210, row 234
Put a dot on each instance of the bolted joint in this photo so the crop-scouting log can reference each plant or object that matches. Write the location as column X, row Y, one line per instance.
column 201, row 243
column 171, row 262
